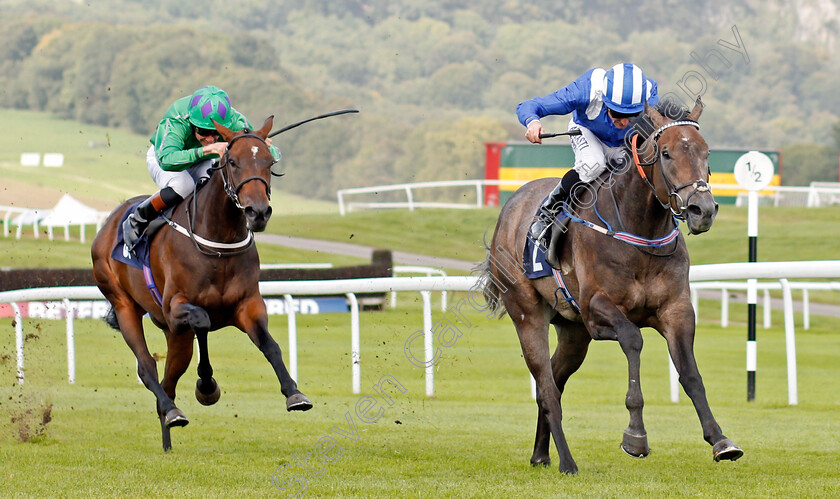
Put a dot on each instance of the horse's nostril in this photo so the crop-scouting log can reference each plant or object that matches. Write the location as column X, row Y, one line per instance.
column 250, row 212
column 694, row 210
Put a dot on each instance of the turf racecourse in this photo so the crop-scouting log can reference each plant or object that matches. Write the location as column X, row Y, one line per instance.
column 473, row 439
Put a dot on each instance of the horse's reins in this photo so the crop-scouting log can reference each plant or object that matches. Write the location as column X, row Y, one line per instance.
column 699, row 185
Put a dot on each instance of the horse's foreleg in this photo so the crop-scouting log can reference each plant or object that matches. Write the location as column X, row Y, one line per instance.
column 207, row 391
column 252, row 319
column 572, row 345
column 678, row 330
column 607, row 322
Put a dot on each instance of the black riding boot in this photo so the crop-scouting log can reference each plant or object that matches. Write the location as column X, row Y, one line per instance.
column 136, row 223
column 145, row 212
column 551, row 207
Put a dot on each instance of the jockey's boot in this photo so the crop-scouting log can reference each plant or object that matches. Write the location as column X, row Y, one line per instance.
column 546, row 215
column 136, row 223
column 551, row 207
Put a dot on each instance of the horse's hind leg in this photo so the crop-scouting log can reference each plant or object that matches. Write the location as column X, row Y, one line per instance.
column 572, row 345
column 533, row 337
column 606, row 322
column 252, row 319
column 678, row 330
column 131, row 327
column 207, row 391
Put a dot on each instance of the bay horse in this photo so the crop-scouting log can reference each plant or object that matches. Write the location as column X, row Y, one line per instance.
column 618, row 287
column 207, row 277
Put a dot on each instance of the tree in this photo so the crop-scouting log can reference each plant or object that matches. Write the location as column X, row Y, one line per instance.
column 806, row 163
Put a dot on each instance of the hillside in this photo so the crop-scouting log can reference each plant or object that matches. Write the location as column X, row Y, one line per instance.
column 433, row 80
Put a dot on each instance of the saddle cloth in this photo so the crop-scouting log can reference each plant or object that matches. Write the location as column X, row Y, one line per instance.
column 141, row 254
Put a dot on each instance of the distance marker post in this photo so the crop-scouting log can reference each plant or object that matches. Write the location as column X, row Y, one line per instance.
column 753, row 171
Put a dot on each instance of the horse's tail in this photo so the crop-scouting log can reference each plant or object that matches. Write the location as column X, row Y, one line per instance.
column 110, row 318
column 488, row 286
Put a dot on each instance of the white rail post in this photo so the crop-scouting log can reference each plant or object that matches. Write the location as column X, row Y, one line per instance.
column 806, row 310
column 428, row 342
column 355, row 348
column 790, row 342
column 409, row 197
column 695, row 303
column 18, row 341
column 341, row 203
column 767, row 309
column 70, row 313
column 724, row 307
column 479, row 203
column 533, row 386
column 292, row 321
column 674, row 380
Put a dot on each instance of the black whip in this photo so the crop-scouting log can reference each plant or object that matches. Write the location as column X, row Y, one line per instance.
column 299, row 123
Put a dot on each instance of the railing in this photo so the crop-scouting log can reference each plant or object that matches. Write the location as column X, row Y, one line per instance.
column 409, row 189
column 426, row 285
column 815, row 195
column 37, row 216
column 428, row 271
column 725, row 286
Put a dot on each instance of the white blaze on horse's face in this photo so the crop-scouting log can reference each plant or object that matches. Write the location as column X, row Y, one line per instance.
column 254, row 151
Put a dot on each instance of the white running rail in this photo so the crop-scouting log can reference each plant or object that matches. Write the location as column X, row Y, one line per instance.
column 715, row 272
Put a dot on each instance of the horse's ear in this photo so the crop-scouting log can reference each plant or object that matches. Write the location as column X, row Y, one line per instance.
column 266, row 128
column 695, row 113
column 653, row 114
column 226, row 133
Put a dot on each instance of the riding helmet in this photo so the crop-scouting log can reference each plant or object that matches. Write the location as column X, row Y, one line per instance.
column 626, row 89
column 210, row 104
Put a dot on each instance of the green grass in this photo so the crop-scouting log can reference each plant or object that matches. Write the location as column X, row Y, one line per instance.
column 459, row 234
column 473, row 439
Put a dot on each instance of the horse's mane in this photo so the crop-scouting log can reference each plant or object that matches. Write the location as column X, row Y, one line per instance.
column 669, row 107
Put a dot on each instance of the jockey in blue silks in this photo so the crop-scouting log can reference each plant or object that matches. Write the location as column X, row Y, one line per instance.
column 602, row 104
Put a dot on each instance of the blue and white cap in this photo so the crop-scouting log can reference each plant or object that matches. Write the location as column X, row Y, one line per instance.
column 626, row 88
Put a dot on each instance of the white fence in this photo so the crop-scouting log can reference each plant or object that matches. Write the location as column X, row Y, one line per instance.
column 428, row 272
column 410, row 203
column 816, row 195
column 20, row 217
column 725, row 286
column 426, row 285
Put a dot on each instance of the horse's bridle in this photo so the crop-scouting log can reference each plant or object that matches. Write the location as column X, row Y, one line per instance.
column 226, row 163
column 699, row 185
column 233, row 194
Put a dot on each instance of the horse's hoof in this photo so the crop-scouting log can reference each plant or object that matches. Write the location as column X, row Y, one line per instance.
column 201, row 390
column 543, row 461
column 298, row 402
column 175, row 418
column 569, row 469
column 635, row 445
column 726, row 449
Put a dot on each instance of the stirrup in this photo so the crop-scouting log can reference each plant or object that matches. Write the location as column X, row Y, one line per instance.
column 133, row 228
column 539, row 228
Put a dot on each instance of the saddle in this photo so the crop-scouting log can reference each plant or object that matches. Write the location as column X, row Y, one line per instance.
column 537, row 260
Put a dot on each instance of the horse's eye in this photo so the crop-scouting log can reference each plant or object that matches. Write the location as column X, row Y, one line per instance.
column 666, row 154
